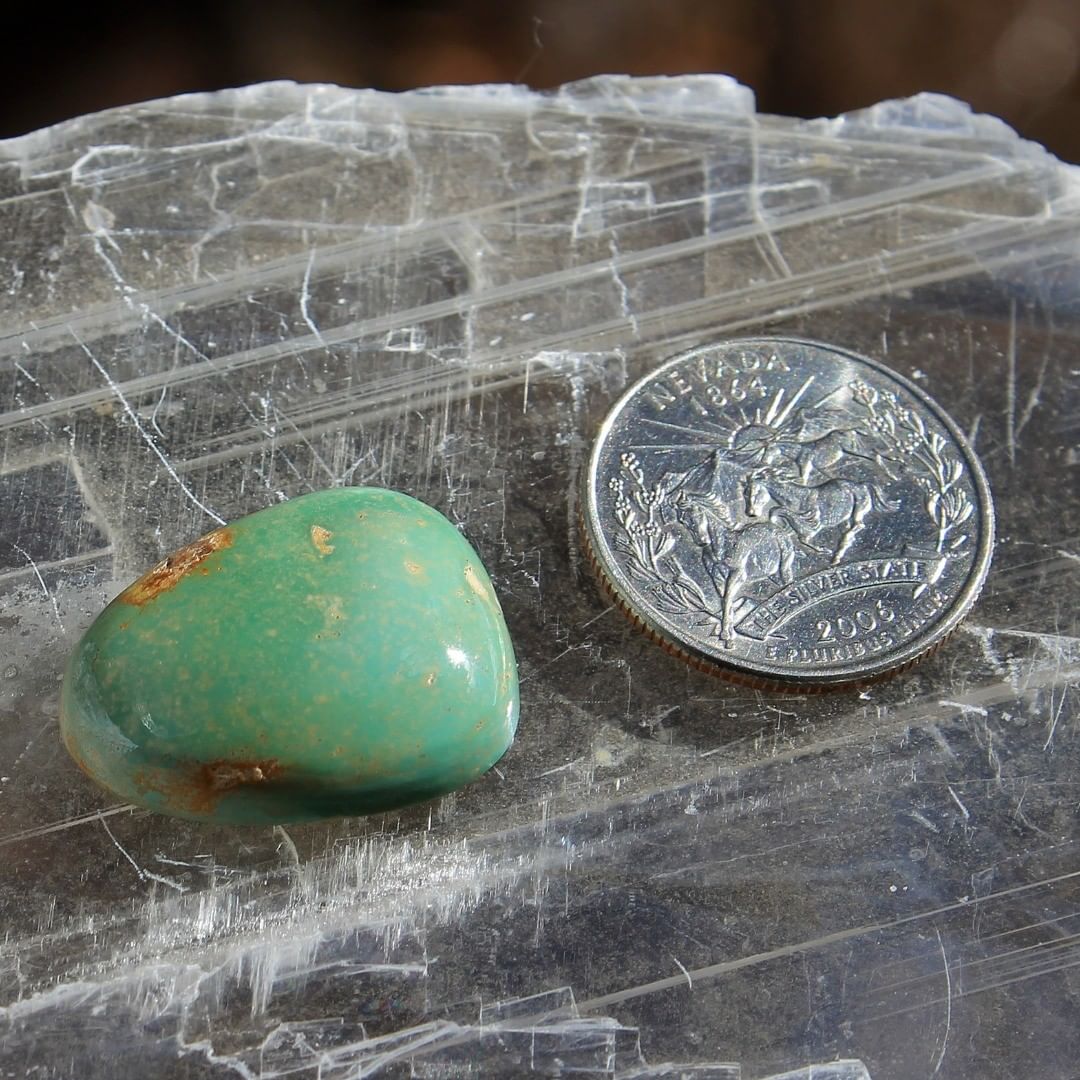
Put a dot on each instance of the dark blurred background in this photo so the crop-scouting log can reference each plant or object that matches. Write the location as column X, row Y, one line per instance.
column 1019, row 59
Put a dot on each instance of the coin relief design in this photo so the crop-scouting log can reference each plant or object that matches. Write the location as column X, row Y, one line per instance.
column 787, row 511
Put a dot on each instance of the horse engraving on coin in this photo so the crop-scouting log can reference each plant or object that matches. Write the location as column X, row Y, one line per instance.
column 788, row 511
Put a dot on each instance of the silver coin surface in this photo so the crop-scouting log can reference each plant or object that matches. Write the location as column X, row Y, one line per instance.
column 788, row 513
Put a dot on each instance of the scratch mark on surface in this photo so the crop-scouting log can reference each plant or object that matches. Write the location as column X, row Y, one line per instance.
column 973, row 432
column 157, row 408
column 68, row 823
column 998, row 971
column 288, row 844
column 756, row 209
column 713, row 863
column 965, row 707
column 1042, row 638
column 555, row 659
column 26, row 375
column 1010, row 386
column 984, row 635
column 100, row 227
column 146, row 436
column 305, row 299
column 285, row 418
column 678, row 964
column 726, row 967
column 1055, row 716
column 939, row 737
column 41, row 582
column 606, row 611
column 624, row 292
column 1034, row 397
column 144, row 875
column 956, row 799
column 30, row 745
column 948, row 1005
column 923, row 820
column 577, row 410
column 1027, row 958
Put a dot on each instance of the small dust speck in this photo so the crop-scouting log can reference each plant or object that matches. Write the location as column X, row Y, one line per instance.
column 413, row 568
column 10, row 671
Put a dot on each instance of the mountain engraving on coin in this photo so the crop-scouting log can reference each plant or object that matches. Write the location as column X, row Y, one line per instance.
column 788, row 511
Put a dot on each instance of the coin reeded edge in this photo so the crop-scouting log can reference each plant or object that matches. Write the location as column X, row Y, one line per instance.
column 839, row 677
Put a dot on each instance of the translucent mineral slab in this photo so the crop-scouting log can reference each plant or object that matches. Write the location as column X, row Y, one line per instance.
column 220, row 301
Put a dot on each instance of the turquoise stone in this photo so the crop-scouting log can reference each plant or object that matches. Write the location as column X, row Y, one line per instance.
column 342, row 653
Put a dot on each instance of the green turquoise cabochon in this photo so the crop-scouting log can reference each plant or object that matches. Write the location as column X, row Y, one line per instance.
column 342, row 653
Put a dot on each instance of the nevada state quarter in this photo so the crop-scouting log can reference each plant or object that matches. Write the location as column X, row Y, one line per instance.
column 787, row 513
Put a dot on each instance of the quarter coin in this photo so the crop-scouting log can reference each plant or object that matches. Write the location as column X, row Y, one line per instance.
column 787, row 513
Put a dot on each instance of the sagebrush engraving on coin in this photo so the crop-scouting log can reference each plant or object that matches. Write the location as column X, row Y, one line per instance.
column 788, row 509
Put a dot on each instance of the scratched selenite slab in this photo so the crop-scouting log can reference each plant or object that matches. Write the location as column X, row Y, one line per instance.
column 217, row 302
